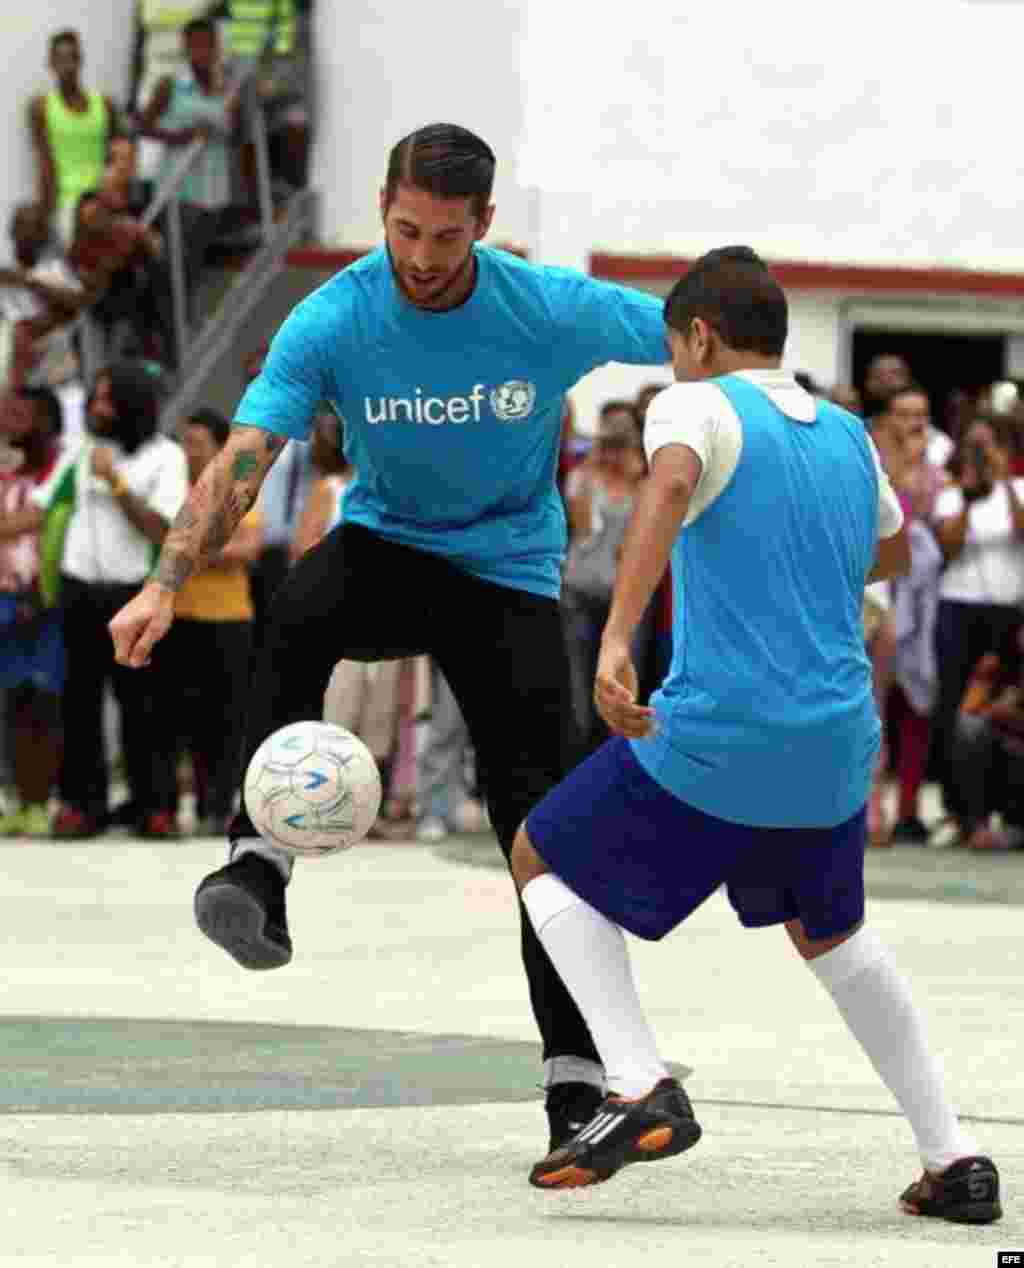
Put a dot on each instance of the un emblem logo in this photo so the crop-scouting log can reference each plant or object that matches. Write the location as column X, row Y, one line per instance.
column 513, row 400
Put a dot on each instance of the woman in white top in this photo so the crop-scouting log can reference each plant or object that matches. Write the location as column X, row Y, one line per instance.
column 979, row 522
column 126, row 483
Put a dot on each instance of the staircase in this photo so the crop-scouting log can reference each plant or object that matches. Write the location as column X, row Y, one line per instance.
column 213, row 342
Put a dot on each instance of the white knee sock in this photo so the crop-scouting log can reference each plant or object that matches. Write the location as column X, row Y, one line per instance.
column 590, row 954
column 281, row 859
column 875, row 1002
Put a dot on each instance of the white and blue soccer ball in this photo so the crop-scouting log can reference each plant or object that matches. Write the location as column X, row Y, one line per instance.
column 312, row 788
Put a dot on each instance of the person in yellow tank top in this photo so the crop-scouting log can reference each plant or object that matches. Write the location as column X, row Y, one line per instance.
column 208, row 663
column 71, row 129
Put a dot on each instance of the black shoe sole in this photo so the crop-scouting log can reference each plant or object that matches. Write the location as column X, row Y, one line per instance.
column 651, row 1146
column 235, row 921
column 964, row 1213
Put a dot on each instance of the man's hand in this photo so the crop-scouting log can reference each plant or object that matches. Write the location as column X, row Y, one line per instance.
column 103, row 462
column 141, row 624
column 615, row 691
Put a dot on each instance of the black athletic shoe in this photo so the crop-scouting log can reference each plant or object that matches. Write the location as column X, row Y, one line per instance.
column 658, row 1125
column 570, row 1106
column 966, row 1193
column 241, row 908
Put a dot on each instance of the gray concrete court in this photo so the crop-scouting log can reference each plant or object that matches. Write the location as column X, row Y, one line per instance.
column 374, row 1102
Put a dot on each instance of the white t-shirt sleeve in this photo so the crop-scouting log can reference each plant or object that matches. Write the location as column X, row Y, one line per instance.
column 890, row 513
column 699, row 416
column 170, row 487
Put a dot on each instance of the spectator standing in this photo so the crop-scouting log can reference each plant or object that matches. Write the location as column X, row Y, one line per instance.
column 31, row 645
column 573, row 446
column 283, row 497
column 124, row 259
column 847, row 397
column 885, row 374
column 901, row 432
column 601, row 494
column 988, row 749
column 270, row 40
column 123, row 485
column 441, row 781
column 38, row 295
column 71, row 128
column 195, row 105
column 206, row 667
column 980, row 527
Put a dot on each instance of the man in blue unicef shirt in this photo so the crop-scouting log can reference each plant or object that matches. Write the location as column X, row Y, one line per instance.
column 449, row 362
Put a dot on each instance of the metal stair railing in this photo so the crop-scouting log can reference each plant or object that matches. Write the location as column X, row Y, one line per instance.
column 213, row 341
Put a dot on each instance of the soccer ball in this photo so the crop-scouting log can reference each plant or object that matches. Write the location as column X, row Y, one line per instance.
column 312, row 788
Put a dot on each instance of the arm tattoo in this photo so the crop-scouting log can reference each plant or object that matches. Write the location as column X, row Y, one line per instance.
column 245, row 465
column 216, row 504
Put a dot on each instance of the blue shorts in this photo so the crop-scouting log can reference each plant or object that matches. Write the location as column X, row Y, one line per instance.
column 647, row 860
column 37, row 657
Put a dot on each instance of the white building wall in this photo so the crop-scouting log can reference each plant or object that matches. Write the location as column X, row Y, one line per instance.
column 386, row 69
column 875, row 132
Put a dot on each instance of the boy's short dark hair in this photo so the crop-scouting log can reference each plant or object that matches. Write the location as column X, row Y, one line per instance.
column 67, row 36
column 446, row 161
column 732, row 290
column 216, row 424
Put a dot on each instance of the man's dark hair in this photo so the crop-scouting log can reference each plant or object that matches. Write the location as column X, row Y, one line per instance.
column 136, row 390
column 67, row 36
column 446, row 161
column 44, row 400
column 198, row 26
column 216, row 424
column 731, row 289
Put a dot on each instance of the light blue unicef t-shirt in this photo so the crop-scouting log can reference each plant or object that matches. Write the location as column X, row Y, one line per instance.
column 453, row 419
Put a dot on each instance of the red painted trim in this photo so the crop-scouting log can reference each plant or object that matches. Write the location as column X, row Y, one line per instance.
column 809, row 276
column 332, row 259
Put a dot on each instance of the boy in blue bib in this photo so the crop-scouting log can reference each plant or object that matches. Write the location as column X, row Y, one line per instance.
column 751, row 767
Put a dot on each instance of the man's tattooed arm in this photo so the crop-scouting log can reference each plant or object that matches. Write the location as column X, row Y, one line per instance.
column 216, row 504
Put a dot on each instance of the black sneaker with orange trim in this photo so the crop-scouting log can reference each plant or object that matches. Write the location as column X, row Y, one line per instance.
column 965, row 1193
column 658, row 1125
column 570, row 1106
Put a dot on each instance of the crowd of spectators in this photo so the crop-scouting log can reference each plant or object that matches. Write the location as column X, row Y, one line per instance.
column 946, row 641
column 81, row 519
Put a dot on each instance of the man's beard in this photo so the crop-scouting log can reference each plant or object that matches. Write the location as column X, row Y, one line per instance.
column 435, row 299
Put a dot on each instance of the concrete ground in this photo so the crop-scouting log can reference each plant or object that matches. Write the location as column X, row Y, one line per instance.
column 375, row 1103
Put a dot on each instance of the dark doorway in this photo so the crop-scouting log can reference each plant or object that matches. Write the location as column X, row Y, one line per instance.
column 940, row 363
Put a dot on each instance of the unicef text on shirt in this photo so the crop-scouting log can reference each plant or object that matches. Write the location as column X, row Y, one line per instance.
column 433, row 410
column 512, row 402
